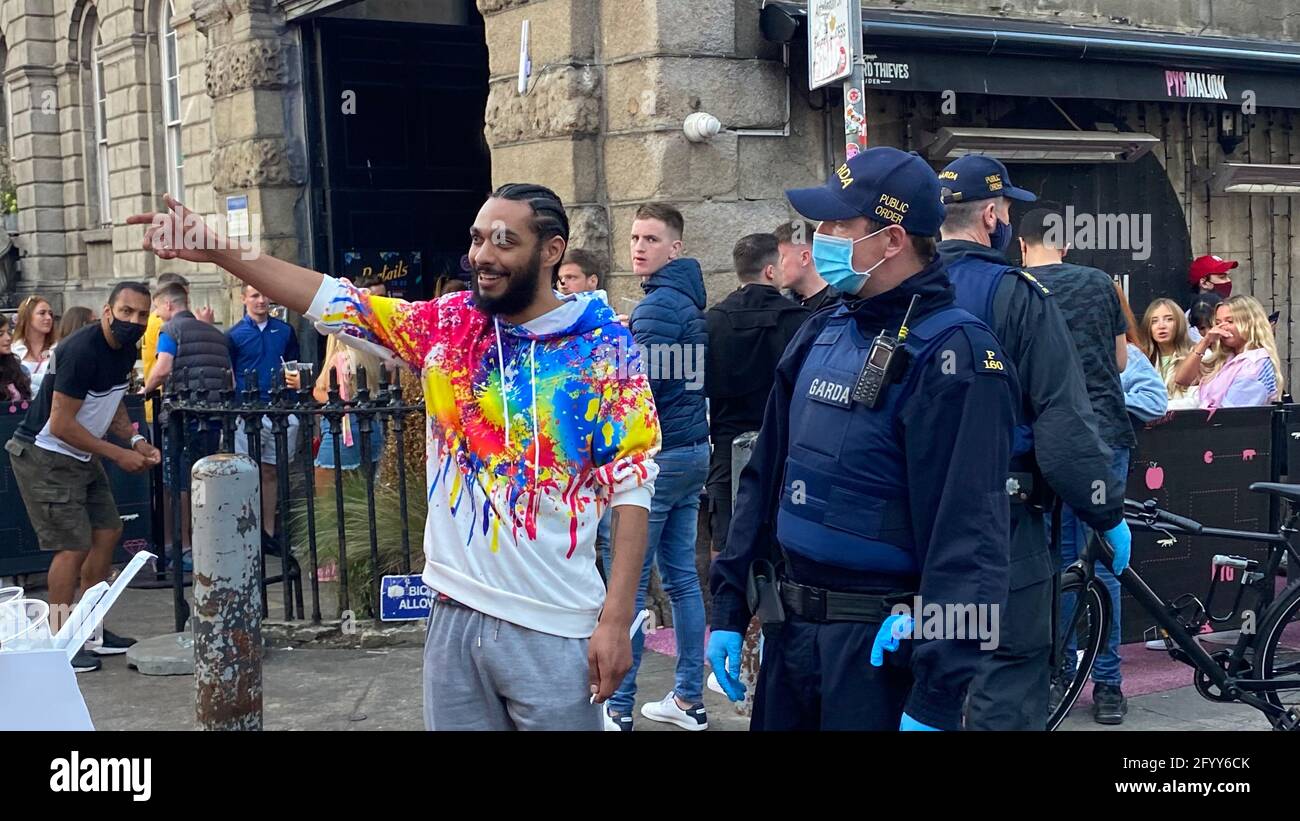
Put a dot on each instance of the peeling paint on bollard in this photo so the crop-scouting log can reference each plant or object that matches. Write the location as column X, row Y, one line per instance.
column 741, row 449
column 227, row 594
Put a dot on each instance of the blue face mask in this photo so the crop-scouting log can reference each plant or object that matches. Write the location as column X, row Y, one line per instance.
column 1000, row 239
column 833, row 258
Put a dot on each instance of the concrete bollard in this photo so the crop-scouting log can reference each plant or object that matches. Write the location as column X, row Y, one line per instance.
column 226, row 503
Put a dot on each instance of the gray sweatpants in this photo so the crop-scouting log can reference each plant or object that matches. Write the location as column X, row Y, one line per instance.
column 481, row 673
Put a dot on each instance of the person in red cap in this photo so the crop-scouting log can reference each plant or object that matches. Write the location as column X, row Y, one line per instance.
column 1210, row 273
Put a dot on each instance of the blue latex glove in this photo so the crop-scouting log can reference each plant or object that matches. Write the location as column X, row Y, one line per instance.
column 895, row 627
column 909, row 724
column 724, row 656
column 1120, row 539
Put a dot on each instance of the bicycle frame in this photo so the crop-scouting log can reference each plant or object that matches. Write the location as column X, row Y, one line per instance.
column 1230, row 685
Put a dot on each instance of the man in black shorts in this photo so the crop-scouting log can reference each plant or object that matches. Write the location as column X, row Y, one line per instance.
column 56, row 453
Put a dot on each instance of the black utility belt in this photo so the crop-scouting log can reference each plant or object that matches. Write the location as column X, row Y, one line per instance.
column 817, row 605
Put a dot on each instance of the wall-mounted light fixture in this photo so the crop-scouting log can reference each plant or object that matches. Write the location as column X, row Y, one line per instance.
column 1232, row 128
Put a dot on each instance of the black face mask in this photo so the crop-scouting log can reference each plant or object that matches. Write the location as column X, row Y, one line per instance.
column 126, row 333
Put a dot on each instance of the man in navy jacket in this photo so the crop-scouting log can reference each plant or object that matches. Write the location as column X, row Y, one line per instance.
column 669, row 324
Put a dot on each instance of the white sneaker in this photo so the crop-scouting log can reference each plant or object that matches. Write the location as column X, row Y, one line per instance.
column 692, row 718
column 622, row 724
column 1159, row 644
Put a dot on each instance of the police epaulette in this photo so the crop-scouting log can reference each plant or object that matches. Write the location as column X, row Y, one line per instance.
column 1033, row 280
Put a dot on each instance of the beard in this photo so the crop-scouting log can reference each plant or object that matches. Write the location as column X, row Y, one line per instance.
column 521, row 287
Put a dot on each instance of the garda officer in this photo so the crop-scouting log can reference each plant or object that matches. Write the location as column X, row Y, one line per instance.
column 1058, row 440
column 878, row 474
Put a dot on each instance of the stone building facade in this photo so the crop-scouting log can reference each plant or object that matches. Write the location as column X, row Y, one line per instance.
column 111, row 103
column 102, row 119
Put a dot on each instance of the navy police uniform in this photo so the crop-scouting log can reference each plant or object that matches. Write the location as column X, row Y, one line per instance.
column 865, row 507
column 1060, row 444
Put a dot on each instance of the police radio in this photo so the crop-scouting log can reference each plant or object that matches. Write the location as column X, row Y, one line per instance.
column 880, row 362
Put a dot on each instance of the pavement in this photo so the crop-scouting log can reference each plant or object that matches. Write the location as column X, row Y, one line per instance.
column 380, row 689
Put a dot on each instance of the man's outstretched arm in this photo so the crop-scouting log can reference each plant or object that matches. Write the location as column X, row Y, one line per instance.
column 377, row 325
column 179, row 233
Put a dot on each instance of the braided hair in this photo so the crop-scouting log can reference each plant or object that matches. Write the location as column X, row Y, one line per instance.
column 549, row 217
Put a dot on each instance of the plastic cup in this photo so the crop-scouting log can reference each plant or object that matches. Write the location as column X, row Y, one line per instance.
column 24, row 623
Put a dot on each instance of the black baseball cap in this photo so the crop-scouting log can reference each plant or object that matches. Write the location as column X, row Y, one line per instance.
column 883, row 184
column 977, row 177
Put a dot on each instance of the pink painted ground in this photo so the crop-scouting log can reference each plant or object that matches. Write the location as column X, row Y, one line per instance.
column 662, row 641
column 1150, row 671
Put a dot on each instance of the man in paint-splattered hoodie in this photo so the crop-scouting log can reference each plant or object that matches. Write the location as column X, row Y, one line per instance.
column 513, row 508
column 538, row 419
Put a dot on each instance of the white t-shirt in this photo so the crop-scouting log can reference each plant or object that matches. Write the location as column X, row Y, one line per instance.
column 84, row 367
column 36, row 371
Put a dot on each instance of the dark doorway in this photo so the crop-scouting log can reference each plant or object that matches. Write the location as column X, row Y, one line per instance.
column 1138, row 193
column 399, row 162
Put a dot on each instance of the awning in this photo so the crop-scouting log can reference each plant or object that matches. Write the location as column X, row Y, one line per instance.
column 934, row 52
column 1258, row 178
column 303, row 9
column 1039, row 145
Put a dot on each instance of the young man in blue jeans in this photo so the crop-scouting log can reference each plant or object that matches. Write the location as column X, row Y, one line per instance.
column 1109, row 704
column 669, row 324
column 1091, row 306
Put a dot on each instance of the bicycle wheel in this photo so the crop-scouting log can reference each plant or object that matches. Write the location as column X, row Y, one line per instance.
column 1087, row 621
column 1277, row 648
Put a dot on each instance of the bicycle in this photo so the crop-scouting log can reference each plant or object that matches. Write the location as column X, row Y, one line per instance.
column 1256, row 671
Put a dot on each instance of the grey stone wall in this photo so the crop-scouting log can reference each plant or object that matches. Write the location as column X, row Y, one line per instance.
column 238, row 70
column 601, row 123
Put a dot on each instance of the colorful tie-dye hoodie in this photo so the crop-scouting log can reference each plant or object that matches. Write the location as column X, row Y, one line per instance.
column 533, row 430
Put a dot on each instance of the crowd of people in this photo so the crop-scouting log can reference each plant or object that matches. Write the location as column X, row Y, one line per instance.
column 918, row 402
column 72, row 511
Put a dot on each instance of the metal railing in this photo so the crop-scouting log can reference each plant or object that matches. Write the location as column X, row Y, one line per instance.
column 195, row 422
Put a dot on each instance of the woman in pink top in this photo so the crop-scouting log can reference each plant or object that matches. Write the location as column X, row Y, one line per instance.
column 1243, row 367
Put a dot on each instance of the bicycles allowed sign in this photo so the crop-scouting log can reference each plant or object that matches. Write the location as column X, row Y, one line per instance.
column 404, row 598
